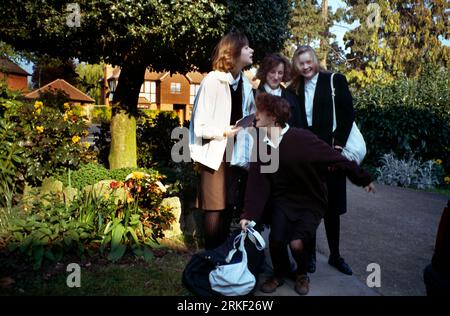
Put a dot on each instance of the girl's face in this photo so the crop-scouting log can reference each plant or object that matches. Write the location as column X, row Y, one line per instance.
column 306, row 65
column 275, row 76
column 263, row 119
column 246, row 57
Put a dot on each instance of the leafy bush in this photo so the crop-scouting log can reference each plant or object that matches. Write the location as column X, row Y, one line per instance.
column 51, row 228
column 102, row 143
column 154, row 143
column 49, row 231
column 410, row 115
column 101, row 114
column 141, row 220
column 409, row 172
column 38, row 140
column 54, row 99
column 91, row 173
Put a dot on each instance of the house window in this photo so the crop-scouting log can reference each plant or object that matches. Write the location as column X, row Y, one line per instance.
column 112, row 88
column 193, row 92
column 152, row 90
column 175, row 87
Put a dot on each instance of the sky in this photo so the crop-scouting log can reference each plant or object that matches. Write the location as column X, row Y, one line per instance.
column 338, row 29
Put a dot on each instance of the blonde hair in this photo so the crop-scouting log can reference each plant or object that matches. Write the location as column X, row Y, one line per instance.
column 302, row 49
column 227, row 51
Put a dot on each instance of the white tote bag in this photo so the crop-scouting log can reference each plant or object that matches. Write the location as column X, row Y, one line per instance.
column 355, row 148
column 234, row 278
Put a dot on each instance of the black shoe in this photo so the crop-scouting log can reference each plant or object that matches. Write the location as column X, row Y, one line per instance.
column 312, row 264
column 341, row 265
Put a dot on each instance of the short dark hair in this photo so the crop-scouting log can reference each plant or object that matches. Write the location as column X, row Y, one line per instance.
column 275, row 106
column 271, row 61
column 227, row 51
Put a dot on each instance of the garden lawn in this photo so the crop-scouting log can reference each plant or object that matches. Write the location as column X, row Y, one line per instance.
column 130, row 276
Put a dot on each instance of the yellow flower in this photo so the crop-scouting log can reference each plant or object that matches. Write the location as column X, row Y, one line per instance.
column 86, row 145
column 66, row 106
column 438, row 161
column 75, row 139
column 447, row 180
column 69, row 112
column 65, row 117
column 137, row 175
column 40, row 129
column 38, row 111
column 38, row 105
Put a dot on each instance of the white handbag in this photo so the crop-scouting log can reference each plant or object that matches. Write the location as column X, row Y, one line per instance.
column 355, row 148
column 234, row 278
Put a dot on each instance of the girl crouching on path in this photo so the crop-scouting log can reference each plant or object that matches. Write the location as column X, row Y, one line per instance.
column 296, row 189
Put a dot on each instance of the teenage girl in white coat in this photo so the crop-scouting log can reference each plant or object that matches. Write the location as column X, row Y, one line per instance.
column 224, row 97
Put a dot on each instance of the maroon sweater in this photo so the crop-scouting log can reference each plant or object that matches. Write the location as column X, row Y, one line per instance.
column 299, row 181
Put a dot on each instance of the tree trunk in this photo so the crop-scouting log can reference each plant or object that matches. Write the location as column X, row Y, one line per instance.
column 324, row 38
column 124, row 112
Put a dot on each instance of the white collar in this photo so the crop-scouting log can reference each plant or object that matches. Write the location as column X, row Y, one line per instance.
column 269, row 90
column 233, row 82
column 278, row 141
column 313, row 80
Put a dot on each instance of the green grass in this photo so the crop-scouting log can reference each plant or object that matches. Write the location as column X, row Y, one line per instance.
column 160, row 277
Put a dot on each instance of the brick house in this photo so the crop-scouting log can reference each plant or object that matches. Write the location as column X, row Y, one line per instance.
column 160, row 90
column 15, row 77
column 163, row 90
column 76, row 96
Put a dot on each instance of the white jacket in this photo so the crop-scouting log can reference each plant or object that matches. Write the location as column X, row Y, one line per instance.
column 211, row 118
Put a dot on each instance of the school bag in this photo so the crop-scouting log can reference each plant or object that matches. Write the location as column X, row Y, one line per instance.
column 196, row 273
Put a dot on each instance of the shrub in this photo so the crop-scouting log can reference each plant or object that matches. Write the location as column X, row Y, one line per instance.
column 102, row 143
column 409, row 172
column 100, row 114
column 50, row 231
column 410, row 115
column 51, row 140
column 88, row 174
column 154, row 143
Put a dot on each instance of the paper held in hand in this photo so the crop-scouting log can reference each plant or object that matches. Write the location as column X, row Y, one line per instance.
column 246, row 121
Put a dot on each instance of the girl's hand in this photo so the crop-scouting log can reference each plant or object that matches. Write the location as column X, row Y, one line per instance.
column 244, row 223
column 231, row 131
column 370, row 188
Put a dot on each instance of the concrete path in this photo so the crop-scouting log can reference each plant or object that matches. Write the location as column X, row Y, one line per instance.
column 395, row 228
column 326, row 281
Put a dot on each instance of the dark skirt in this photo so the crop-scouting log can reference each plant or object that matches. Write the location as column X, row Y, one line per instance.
column 303, row 227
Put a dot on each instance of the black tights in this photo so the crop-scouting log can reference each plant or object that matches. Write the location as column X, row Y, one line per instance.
column 216, row 228
column 278, row 254
column 332, row 228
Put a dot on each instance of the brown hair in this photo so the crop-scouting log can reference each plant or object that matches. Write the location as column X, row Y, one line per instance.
column 296, row 77
column 228, row 50
column 274, row 106
column 271, row 61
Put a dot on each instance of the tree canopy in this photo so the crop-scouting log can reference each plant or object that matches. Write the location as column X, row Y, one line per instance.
column 395, row 38
column 163, row 35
